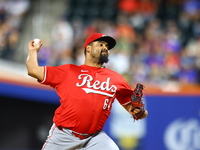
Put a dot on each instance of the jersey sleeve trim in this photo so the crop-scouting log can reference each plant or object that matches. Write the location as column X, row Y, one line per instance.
column 45, row 74
column 126, row 103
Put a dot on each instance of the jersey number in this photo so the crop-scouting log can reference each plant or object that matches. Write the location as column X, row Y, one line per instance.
column 107, row 104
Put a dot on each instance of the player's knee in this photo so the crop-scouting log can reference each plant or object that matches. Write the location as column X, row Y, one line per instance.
column 112, row 146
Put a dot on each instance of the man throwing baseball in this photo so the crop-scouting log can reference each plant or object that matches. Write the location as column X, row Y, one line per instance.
column 86, row 95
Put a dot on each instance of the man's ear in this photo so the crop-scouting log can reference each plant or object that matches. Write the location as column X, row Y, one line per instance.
column 88, row 48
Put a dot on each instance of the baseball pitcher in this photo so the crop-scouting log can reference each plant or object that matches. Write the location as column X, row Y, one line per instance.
column 86, row 95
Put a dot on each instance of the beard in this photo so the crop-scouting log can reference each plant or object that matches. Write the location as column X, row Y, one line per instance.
column 103, row 58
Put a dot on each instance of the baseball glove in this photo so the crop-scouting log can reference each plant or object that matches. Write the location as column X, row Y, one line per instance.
column 136, row 100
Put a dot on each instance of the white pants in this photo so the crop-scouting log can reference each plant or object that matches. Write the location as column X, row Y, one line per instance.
column 65, row 140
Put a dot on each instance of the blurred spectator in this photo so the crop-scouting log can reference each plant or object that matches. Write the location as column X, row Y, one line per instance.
column 128, row 6
column 62, row 39
column 192, row 8
column 11, row 15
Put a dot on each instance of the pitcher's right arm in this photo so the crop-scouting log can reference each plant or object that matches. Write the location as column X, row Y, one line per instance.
column 34, row 70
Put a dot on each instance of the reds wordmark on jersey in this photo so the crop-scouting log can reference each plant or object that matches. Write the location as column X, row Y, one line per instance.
column 86, row 95
column 96, row 86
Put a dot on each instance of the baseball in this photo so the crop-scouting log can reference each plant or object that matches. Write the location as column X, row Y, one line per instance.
column 36, row 41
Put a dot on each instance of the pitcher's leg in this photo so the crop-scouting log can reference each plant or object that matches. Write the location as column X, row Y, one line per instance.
column 101, row 142
column 61, row 140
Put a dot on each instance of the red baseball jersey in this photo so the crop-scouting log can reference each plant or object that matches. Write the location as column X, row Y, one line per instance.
column 86, row 95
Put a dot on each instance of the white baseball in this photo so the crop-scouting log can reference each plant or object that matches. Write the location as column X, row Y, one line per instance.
column 36, row 41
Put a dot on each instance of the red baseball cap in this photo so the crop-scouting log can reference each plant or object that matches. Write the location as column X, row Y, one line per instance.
column 100, row 37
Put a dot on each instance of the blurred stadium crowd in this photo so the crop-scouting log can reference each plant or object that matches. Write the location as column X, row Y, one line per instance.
column 158, row 41
column 11, row 23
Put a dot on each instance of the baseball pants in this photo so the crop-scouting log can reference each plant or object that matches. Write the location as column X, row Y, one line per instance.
column 65, row 140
